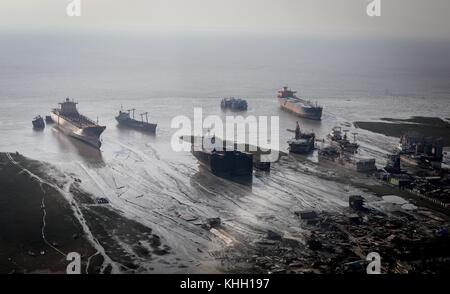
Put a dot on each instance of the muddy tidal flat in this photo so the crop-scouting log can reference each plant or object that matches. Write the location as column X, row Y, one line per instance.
column 417, row 125
column 45, row 214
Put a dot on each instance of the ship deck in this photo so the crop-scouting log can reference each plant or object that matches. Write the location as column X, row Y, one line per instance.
column 79, row 120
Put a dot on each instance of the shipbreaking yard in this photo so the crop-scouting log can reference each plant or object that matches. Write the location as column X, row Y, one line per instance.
column 295, row 215
column 339, row 243
column 138, row 207
column 243, row 231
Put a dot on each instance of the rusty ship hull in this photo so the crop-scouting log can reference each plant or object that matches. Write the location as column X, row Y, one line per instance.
column 300, row 108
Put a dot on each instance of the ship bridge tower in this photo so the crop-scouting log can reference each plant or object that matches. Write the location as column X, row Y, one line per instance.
column 69, row 108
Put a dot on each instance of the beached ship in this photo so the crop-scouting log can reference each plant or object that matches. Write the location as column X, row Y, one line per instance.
column 302, row 143
column 343, row 152
column 235, row 104
column 72, row 123
column 335, row 155
column 342, row 141
column 303, row 108
column 224, row 163
column 128, row 120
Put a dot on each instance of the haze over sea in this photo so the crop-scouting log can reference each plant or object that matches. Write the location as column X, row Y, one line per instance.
column 169, row 75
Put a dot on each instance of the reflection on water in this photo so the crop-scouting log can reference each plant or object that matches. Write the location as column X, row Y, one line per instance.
column 90, row 155
column 127, row 130
column 206, row 180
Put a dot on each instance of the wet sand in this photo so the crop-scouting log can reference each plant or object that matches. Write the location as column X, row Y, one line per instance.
column 38, row 225
column 41, row 225
column 112, row 243
column 423, row 126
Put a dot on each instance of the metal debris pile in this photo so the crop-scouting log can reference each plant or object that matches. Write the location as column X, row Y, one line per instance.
column 340, row 243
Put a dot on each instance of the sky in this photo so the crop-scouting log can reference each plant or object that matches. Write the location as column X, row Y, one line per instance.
column 414, row 18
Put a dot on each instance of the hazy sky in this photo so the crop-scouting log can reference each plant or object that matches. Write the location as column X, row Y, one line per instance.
column 419, row 18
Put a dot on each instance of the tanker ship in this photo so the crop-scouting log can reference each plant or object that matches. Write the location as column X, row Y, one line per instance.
column 303, row 108
column 68, row 120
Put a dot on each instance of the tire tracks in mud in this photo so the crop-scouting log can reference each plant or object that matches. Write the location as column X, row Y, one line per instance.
column 76, row 212
column 44, row 212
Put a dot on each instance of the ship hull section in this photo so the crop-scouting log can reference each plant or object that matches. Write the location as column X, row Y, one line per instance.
column 89, row 135
column 226, row 164
column 314, row 113
column 145, row 127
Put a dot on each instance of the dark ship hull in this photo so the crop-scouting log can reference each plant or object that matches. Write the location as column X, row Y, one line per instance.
column 234, row 104
column 137, row 125
column 301, row 146
column 300, row 108
column 38, row 123
column 226, row 163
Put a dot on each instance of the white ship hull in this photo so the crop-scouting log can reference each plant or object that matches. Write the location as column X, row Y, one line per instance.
column 88, row 134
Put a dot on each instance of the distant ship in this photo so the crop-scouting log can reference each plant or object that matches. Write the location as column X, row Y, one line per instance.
column 124, row 118
column 303, row 108
column 225, row 163
column 70, row 122
column 232, row 103
column 38, row 122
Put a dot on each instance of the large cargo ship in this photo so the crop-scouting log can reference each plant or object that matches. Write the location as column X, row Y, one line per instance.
column 125, row 119
column 303, row 108
column 72, row 123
